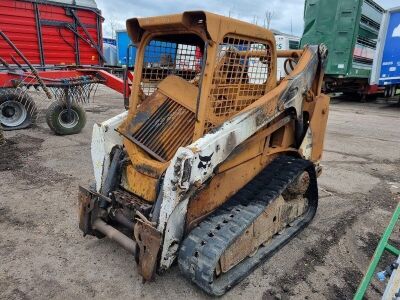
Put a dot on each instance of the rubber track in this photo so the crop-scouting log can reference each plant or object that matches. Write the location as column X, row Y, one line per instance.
column 202, row 248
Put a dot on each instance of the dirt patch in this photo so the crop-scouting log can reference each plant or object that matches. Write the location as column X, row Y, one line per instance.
column 6, row 216
column 39, row 176
column 6, row 247
column 382, row 198
column 352, row 278
column 19, row 155
column 270, row 295
column 315, row 256
column 41, row 118
column 13, row 152
column 370, row 241
column 97, row 110
column 9, row 159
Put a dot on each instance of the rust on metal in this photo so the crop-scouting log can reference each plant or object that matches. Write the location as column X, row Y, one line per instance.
column 206, row 115
column 85, row 198
column 131, row 201
column 169, row 128
column 127, row 243
column 149, row 242
column 276, row 217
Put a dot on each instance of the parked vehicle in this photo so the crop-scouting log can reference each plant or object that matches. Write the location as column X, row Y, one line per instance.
column 386, row 67
column 123, row 42
column 285, row 42
column 215, row 165
column 110, row 54
column 350, row 30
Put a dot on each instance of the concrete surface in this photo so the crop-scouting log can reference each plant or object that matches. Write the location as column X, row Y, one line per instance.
column 43, row 254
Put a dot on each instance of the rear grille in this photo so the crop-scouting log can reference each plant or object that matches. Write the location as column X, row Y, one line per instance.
column 170, row 127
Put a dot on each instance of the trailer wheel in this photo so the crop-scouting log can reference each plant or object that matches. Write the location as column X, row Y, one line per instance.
column 64, row 121
column 17, row 110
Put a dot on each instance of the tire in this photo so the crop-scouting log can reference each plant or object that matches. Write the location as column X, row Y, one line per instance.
column 17, row 110
column 64, row 121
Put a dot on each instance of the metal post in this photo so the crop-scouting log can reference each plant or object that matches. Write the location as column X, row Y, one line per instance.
column 382, row 246
column 39, row 34
column 77, row 19
column 115, row 235
column 126, row 77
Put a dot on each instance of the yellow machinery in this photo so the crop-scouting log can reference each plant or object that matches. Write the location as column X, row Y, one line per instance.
column 215, row 163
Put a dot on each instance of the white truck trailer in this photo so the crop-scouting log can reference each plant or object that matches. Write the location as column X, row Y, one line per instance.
column 386, row 66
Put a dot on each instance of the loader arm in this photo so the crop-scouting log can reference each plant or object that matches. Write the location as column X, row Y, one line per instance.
column 186, row 173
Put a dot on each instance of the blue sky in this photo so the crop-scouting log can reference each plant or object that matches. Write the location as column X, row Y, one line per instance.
column 287, row 14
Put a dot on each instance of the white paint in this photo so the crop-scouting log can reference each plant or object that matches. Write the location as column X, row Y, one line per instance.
column 396, row 32
column 171, row 197
column 389, row 78
column 241, row 127
column 104, row 138
column 174, row 231
column 306, row 145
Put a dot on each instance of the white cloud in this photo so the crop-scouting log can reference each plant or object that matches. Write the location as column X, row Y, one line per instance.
column 396, row 32
column 287, row 17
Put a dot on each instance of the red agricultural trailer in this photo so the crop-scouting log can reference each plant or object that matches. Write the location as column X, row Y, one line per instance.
column 55, row 45
column 52, row 33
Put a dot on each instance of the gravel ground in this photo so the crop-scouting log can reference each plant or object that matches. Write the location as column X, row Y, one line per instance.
column 43, row 254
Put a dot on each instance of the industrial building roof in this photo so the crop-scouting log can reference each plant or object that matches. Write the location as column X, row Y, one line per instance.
column 83, row 3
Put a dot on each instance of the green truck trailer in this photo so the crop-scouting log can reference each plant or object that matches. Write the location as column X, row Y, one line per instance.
column 350, row 29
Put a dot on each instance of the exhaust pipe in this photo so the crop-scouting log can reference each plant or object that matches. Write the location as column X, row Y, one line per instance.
column 115, row 235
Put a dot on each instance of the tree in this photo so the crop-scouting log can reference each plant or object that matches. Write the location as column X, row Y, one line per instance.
column 268, row 18
column 113, row 26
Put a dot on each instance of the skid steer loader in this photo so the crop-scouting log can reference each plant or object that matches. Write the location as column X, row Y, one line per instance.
column 215, row 164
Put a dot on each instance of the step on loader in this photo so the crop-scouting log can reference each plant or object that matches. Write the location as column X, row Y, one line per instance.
column 215, row 164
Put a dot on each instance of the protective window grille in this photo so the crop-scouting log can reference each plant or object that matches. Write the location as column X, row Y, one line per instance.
column 162, row 58
column 240, row 78
column 169, row 128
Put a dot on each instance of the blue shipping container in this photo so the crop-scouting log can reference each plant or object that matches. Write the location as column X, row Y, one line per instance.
column 155, row 52
column 123, row 41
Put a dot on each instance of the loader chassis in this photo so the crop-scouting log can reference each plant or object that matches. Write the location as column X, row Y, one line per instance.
column 215, row 157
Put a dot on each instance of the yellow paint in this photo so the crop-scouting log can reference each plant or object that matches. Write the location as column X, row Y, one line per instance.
column 141, row 185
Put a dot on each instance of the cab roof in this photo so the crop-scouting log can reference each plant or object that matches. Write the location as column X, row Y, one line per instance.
column 210, row 26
